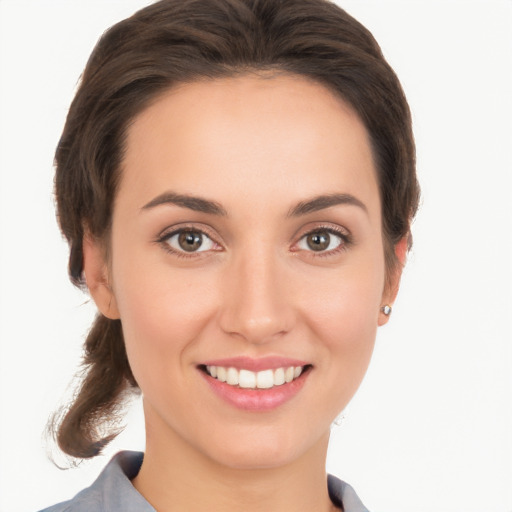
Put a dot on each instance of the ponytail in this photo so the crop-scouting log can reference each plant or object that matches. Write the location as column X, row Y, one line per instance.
column 92, row 419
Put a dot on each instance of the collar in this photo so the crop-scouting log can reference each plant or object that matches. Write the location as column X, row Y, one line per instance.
column 113, row 491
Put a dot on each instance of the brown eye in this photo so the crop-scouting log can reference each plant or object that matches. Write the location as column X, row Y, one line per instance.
column 188, row 240
column 322, row 240
column 318, row 241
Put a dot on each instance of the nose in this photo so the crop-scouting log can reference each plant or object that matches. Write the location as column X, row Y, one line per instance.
column 256, row 302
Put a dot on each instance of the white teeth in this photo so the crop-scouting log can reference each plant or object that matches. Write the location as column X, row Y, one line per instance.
column 212, row 370
column 247, row 379
column 221, row 373
column 264, row 379
column 232, row 377
column 279, row 377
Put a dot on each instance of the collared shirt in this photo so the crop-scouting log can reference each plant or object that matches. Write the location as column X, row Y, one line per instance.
column 113, row 491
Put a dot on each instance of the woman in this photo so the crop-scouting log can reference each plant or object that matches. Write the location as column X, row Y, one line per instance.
column 236, row 182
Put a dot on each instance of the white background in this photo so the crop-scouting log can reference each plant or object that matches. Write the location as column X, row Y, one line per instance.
column 431, row 427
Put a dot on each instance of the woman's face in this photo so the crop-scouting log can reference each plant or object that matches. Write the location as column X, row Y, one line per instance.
column 246, row 240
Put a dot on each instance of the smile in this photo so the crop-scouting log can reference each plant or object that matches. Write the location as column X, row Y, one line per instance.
column 256, row 385
column 247, row 379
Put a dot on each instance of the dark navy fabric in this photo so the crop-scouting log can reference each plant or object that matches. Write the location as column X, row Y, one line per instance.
column 113, row 491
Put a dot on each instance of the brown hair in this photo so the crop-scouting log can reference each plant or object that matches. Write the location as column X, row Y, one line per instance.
column 178, row 41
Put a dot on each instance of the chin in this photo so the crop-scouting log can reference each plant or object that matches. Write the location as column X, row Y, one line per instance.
column 255, row 459
column 262, row 448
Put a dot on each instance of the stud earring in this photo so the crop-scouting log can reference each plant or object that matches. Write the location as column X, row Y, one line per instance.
column 386, row 309
column 339, row 419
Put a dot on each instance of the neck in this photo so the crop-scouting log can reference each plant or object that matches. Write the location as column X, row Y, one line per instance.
column 176, row 477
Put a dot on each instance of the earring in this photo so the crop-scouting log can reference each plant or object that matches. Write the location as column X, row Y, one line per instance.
column 386, row 309
column 339, row 419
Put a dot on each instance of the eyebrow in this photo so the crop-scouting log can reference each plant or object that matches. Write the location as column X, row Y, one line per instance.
column 203, row 205
column 325, row 201
column 198, row 204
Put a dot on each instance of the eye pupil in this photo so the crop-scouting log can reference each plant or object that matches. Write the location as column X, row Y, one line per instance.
column 190, row 240
column 318, row 241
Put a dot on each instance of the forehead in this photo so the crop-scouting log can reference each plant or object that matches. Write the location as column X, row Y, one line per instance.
column 272, row 136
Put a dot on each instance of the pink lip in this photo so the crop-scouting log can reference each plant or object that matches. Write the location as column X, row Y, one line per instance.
column 256, row 365
column 256, row 399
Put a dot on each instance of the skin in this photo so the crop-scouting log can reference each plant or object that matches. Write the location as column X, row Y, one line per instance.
column 257, row 146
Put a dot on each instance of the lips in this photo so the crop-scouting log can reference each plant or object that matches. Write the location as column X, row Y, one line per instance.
column 256, row 384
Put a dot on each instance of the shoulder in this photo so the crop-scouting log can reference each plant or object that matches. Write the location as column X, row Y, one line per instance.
column 87, row 500
column 344, row 496
column 82, row 502
column 112, row 491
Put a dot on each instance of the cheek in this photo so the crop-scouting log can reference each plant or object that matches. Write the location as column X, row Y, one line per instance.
column 161, row 312
column 343, row 313
column 347, row 303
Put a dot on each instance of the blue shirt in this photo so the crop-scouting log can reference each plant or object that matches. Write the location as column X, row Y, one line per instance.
column 113, row 491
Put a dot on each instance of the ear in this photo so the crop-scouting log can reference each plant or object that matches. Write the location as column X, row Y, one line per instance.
column 393, row 284
column 97, row 277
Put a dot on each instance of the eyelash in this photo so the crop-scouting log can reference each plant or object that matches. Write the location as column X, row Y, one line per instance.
column 346, row 241
column 166, row 235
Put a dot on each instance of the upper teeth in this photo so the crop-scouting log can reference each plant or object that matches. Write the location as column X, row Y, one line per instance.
column 264, row 379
